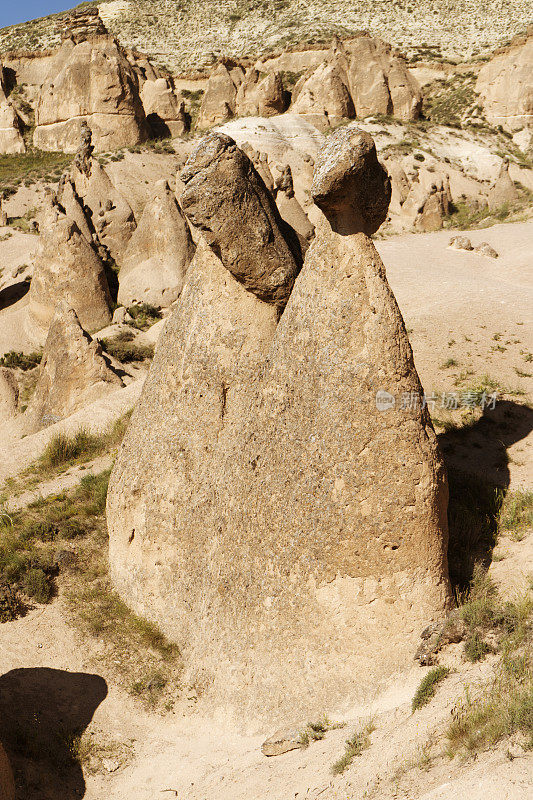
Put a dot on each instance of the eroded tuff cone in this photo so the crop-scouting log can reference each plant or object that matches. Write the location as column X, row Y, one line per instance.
column 9, row 394
column 504, row 191
column 73, row 372
column 218, row 102
column 158, row 253
column 225, row 198
column 505, row 86
column 260, row 96
column 324, row 99
column 67, row 267
column 291, row 210
column 349, row 184
column 274, row 506
column 165, row 112
column 7, row 784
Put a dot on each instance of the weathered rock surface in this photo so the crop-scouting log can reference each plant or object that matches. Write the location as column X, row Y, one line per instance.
column 9, row 394
column 505, row 85
column 158, row 254
column 219, row 100
column 227, row 200
column 68, row 268
column 11, row 140
column 73, row 372
column 283, row 741
column 324, row 99
column 289, row 534
column 259, row 96
column 485, row 249
column 504, row 191
column 399, row 186
column 291, row 210
column 460, row 243
column 165, row 111
column 96, row 83
column 7, row 784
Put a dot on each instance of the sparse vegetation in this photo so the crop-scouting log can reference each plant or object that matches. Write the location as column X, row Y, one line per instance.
column 428, row 687
column 31, row 167
column 355, row 745
column 144, row 316
column 517, row 512
column 18, row 360
column 314, row 731
column 123, row 348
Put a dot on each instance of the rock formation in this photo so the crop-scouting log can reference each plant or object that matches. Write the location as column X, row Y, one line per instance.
column 460, row 243
column 165, row 112
column 67, row 267
column 11, row 140
column 260, row 96
column 95, row 82
column 110, row 215
column 220, row 96
column 324, row 99
column 276, row 506
column 9, row 394
column 240, row 220
column 291, row 210
column 505, row 86
column 73, row 372
column 504, row 191
column 158, row 254
column 7, row 784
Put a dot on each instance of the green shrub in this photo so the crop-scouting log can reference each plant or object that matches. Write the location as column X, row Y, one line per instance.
column 354, row 747
column 11, row 604
column 37, row 585
column 475, row 648
column 17, row 360
column 62, row 449
column 428, row 687
column 144, row 316
column 127, row 351
column 517, row 511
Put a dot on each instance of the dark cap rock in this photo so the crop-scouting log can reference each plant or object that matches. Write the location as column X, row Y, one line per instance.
column 349, row 184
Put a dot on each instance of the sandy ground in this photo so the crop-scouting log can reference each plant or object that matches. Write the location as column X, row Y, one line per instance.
column 457, row 305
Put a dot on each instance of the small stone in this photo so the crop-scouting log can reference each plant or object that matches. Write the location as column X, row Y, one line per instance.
column 281, row 742
column 485, row 249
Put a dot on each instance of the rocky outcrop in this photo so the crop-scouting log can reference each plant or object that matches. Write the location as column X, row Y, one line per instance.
column 11, row 140
column 165, row 111
column 67, row 267
column 96, row 83
column 7, row 784
column 505, row 86
column 291, row 210
column 73, row 372
column 360, row 78
column 427, row 204
column 220, row 96
column 275, row 506
column 158, row 254
column 504, row 192
column 9, row 394
column 260, row 250
column 260, row 95
column 109, row 214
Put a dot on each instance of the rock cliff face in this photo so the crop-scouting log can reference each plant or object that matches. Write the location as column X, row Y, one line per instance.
column 94, row 82
column 279, row 502
column 9, row 393
column 11, row 140
column 73, row 372
column 505, row 85
column 220, row 96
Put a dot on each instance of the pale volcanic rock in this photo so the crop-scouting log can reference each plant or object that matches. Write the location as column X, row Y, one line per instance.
column 260, row 96
column 67, row 267
column 222, row 188
column 277, row 520
column 11, row 140
column 165, row 111
column 504, row 191
column 399, row 186
column 505, row 86
column 73, row 207
column 9, row 394
column 7, row 784
column 158, row 254
column 219, row 99
column 323, row 99
column 73, row 372
column 291, row 210
column 96, row 83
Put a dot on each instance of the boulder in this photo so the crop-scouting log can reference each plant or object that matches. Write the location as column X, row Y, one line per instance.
column 504, row 192
column 505, row 86
column 485, row 249
column 267, row 508
column 9, row 394
column 283, row 741
column 7, row 784
column 67, row 267
column 73, row 372
column 94, row 82
column 460, row 243
column 222, row 187
column 260, row 95
column 323, row 99
column 158, row 254
column 11, row 140
column 219, row 99
column 165, row 111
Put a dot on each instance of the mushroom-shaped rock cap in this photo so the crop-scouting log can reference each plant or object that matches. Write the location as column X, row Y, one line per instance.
column 227, row 200
column 349, row 184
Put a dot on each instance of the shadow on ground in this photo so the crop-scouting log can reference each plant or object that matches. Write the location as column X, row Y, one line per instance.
column 42, row 711
column 478, row 474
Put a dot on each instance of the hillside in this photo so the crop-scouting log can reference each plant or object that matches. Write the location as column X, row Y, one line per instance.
column 189, row 34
